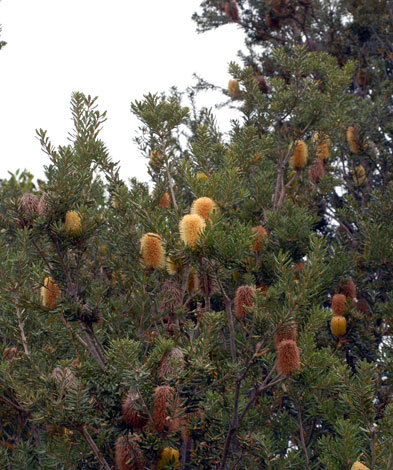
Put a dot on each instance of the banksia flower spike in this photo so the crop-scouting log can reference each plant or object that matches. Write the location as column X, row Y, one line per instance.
column 244, row 297
column 172, row 267
column 153, row 253
column 128, row 454
column 171, row 363
column 168, row 455
column 300, row 155
column 28, row 204
column 323, row 147
column 285, row 333
column 165, row 201
column 359, row 466
column 339, row 304
column 190, row 227
column 28, row 209
column 72, row 223
column 260, row 238
column 202, row 176
column 288, row 357
column 42, row 205
column 338, row 325
column 203, row 206
column 49, row 293
column 349, row 289
column 352, row 140
column 234, row 90
column 163, row 396
column 131, row 415
column 359, row 175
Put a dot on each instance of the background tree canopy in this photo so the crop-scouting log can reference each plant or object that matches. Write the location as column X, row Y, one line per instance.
column 236, row 314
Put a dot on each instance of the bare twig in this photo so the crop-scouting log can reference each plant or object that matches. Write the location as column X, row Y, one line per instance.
column 94, row 448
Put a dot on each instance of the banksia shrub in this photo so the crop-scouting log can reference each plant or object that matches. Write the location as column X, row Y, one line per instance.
column 190, row 227
column 165, row 201
column 288, row 357
column 300, row 155
column 192, row 281
column 244, row 297
column 128, row 455
column 285, row 333
column 348, row 288
column 163, row 397
column 323, row 147
column 171, row 363
column 168, row 455
column 339, row 304
column 131, row 415
column 72, row 223
column 153, row 253
column 234, row 89
column 49, row 293
column 359, row 466
column 203, row 206
column 260, row 238
column 338, row 325
column 359, row 175
column 352, row 140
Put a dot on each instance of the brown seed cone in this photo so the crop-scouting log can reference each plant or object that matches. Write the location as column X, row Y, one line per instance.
column 339, row 304
column 171, row 363
column 231, row 10
column 262, row 84
column 363, row 77
column 165, row 201
column 128, row 454
column 28, row 204
column 131, row 415
column 192, row 281
column 260, row 238
column 42, row 207
column 163, row 397
column 288, row 357
column 244, row 297
column 285, row 333
column 316, row 172
column 348, row 288
column 171, row 297
column 363, row 306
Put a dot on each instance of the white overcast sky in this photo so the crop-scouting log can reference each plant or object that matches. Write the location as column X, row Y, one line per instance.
column 117, row 50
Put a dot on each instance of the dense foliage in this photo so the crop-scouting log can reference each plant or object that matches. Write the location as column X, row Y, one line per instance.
column 236, row 312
